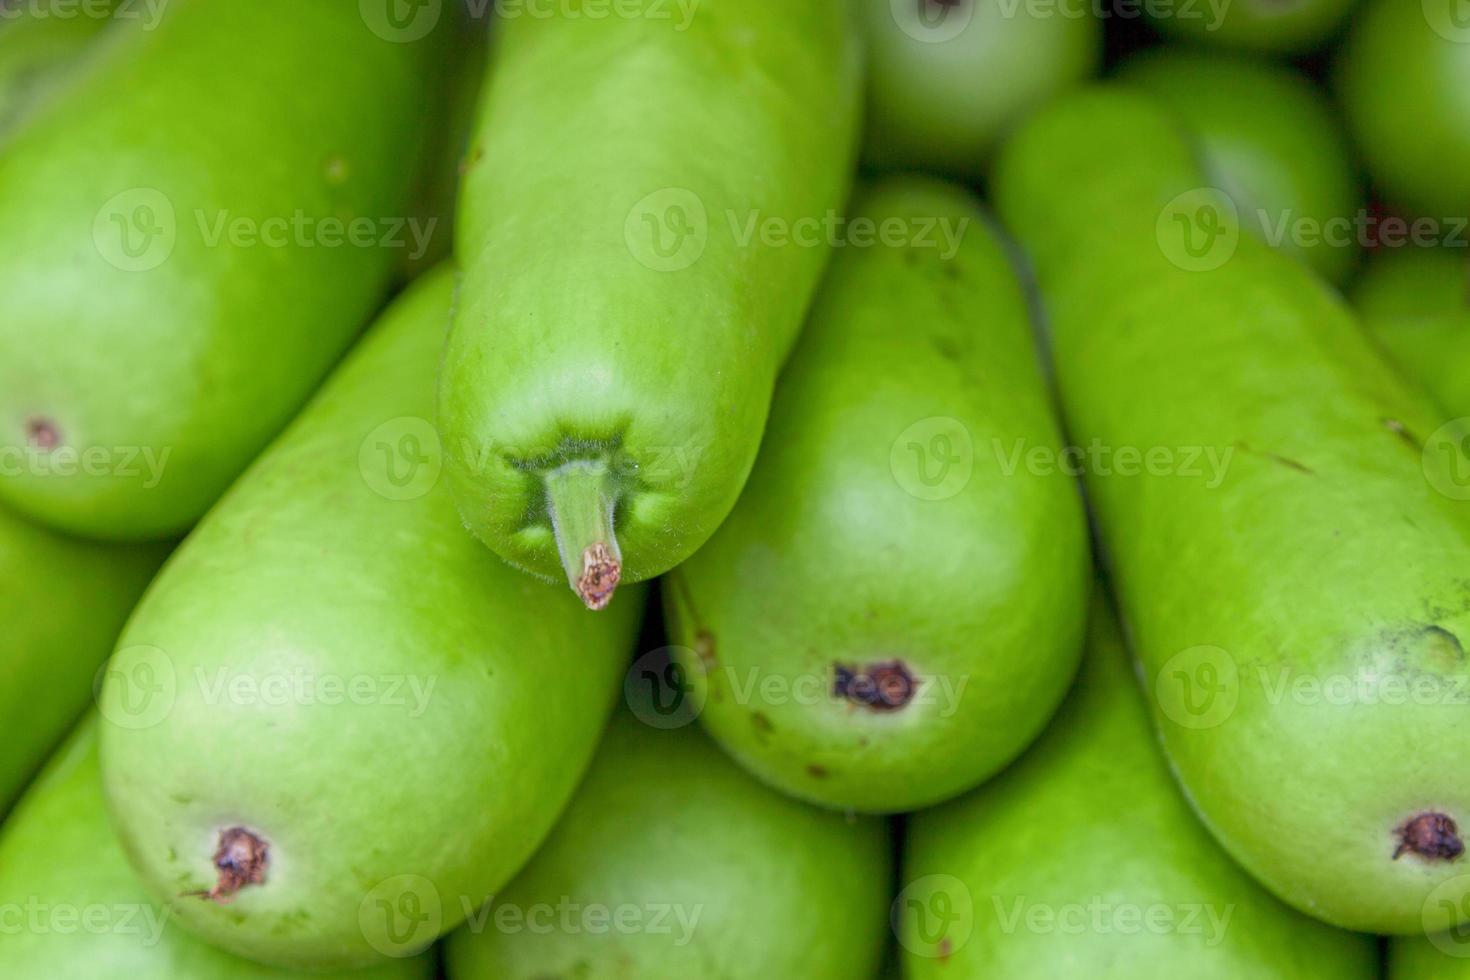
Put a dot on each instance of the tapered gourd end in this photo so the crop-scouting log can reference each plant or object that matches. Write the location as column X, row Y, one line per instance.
column 581, row 501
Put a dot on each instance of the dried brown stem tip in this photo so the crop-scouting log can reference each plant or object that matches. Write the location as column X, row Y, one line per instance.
column 600, row 575
column 241, row 860
column 1432, row 836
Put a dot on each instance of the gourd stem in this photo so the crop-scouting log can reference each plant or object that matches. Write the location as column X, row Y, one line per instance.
column 581, row 498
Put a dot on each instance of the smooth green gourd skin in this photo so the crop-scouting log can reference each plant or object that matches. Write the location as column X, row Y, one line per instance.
column 838, row 556
column 36, row 53
column 77, row 910
column 63, row 601
column 1271, row 26
column 1404, row 83
column 1322, row 561
column 756, row 885
column 576, row 338
column 202, row 343
column 1416, row 301
column 307, row 569
column 946, row 82
column 1270, row 140
column 1090, row 819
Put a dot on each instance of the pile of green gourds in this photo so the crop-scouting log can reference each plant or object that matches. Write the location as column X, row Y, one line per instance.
column 585, row 490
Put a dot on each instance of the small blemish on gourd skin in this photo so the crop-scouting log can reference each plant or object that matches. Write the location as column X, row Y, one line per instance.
column 1432, row 836
column 42, row 433
column 884, row 686
column 817, row 772
column 1399, row 429
column 762, row 725
column 1286, row 461
column 241, row 859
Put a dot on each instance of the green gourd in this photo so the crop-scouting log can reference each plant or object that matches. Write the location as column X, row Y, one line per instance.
column 1269, row 139
column 1283, row 27
column 673, row 863
column 337, row 722
column 648, row 206
column 63, row 601
column 1083, row 855
column 1416, row 301
column 1289, row 563
column 236, row 179
column 1444, row 956
column 71, row 907
column 895, row 607
column 1404, row 82
column 948, row 79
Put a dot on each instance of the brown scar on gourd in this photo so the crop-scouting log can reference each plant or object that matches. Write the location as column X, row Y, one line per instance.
column 241, row 860
column 1286, row 461
column 42, row 432
column 887, row 685
column 1402, row 431
column 1432, row 836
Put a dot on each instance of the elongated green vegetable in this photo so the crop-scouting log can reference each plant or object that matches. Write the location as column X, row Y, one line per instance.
column 236, row 181
column 337, row 723
column 1291, row 568
column 895, row 607
column 636, row 272
column 1417, row 302
column 71, row 907
column 1084, row 852
column 63, row 602
column 697, row 871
